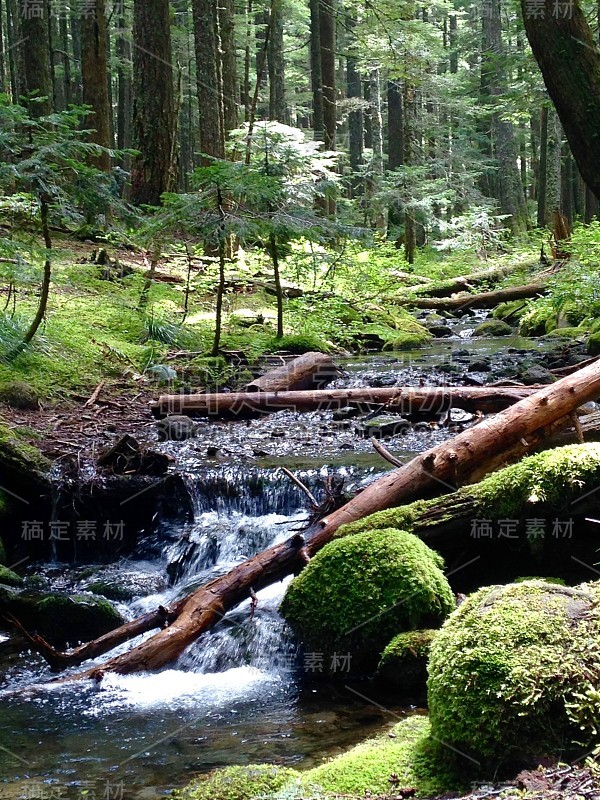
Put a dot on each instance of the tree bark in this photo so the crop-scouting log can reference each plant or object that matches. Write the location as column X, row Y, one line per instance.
column 276, row 64
column 94, row 68
column 431, row 400
column 553, row 172
column 35, row 55
column 228, row 65
column 355, row 116
column 465, row 282
column 543, row 169
column 308, row 371
column 316, row 77
column 210, row 90
column 448, row 465
column 568, row 56
column 153, row 171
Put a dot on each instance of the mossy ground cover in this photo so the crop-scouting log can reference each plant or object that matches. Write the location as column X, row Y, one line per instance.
column 404, row 757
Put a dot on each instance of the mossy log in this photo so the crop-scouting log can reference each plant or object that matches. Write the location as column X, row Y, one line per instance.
column 445, row 466
column 406, row 400
column 308, row 371
column 464, row 283
column 464, row 302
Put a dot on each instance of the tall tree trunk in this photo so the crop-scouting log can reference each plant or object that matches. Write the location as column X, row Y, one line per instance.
column 553, row 179
column 395, row 126
column 4, row 72
column 316, row 77
column 13, row 36
column 210, row 91
column 355, row 116
column 543, row 169
column 567, row 200
column 35, row 53
column 377, row 164
column 58, row 59
column 228, row 66
column 124, row 90
column 64, row 43
column 328, row 63
column 76, row 33
column 276, row 62
column 508, row 182
column 569, row 59
column 94, row 69
column 153, row 171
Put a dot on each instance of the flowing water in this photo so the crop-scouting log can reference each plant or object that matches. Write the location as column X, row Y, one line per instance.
column 244, row 692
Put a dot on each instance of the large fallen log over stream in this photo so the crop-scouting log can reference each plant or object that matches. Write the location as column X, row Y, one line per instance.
column 487, row 446
column 405, row 400
column 464, row 283
column 464, row 302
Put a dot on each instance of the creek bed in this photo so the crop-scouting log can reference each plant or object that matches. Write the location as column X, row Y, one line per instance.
column 244, row 693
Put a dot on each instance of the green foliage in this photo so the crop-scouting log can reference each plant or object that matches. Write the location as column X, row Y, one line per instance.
column 358, row 592
column 509, row 671
column 252, row 782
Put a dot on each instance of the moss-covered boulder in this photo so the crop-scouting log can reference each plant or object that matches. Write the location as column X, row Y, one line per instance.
column 10, row 578
column 61, row 619
column 19, row 395
column 405, row 757
column 513, row 670
column 359, row 592
column 493, row 327
column 403, row 663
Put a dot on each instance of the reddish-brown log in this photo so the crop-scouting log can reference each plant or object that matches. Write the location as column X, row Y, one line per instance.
column 308, row 371
column 463, row 302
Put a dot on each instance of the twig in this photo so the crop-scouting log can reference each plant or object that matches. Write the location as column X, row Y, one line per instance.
column 95, row 395
column 385, row 453
column 300, row 485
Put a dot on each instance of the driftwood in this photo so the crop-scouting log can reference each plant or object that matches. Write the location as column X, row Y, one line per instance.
column 465, row 282
column 406, row 400
column 487, row 446
column 308, row 371
column 463, row 302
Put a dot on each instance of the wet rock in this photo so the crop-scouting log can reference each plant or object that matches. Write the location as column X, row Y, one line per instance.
column 381, row 381
column 403, row 663
column 459, row 415
column 421, row 427
column 452, row 369
column 124, row 586
column 480, row 365
column 59, row 618
column 211, row 451
column 460, row 354
column 348, row 412
column 440, row 331
column 176, row 428
column 383, row 426
column 537, row 374
column 10, row 578
column 127, row 456
column 492, row 328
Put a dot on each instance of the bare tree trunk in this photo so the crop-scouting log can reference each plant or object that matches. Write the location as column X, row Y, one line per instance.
column 228, row 67
column 35, row 54
column 543, row 169
column 154, row 117
column 210, row 91
column 94, row 68
column 276, row 62
column 316, row 76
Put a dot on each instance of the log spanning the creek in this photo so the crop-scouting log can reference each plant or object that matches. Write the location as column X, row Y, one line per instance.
column 308, row 371
column 464, row 302
column 489, row 445
column 405, row 400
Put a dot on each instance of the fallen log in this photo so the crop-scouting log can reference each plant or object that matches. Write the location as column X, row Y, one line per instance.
column 464, row 301
column 444, row 467
column 465, row 282
column 406, row 400
column 308, row 371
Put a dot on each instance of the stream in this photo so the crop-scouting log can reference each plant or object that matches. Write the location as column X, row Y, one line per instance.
column 244, row 692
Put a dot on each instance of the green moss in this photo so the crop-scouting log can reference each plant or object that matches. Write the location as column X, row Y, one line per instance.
column 17, row 455
column 541, row 318
column 10, row 578
column 512, row 311
column 403, row 663
column 493, row 327
column 593, row 344
column 552, row 478
column 18, row 394
column 299, row 343
column 359, row 591
column 507, row 667
column 252, row 782
column 60, row 618
column 566, row 333
column 406, row 752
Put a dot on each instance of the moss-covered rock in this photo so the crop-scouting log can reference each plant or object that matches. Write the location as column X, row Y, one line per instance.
column 593, row 344
column 360, row 591
column 403, row 663
column 566, row 333
column 553, row 478
column 404, row 757
column 510, row 669
column 20, row 395
column 252, row 782
column 10, row 578
column 60, row 618
column 493, row 327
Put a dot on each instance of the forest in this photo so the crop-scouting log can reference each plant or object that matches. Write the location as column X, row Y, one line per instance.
column 299, row 399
